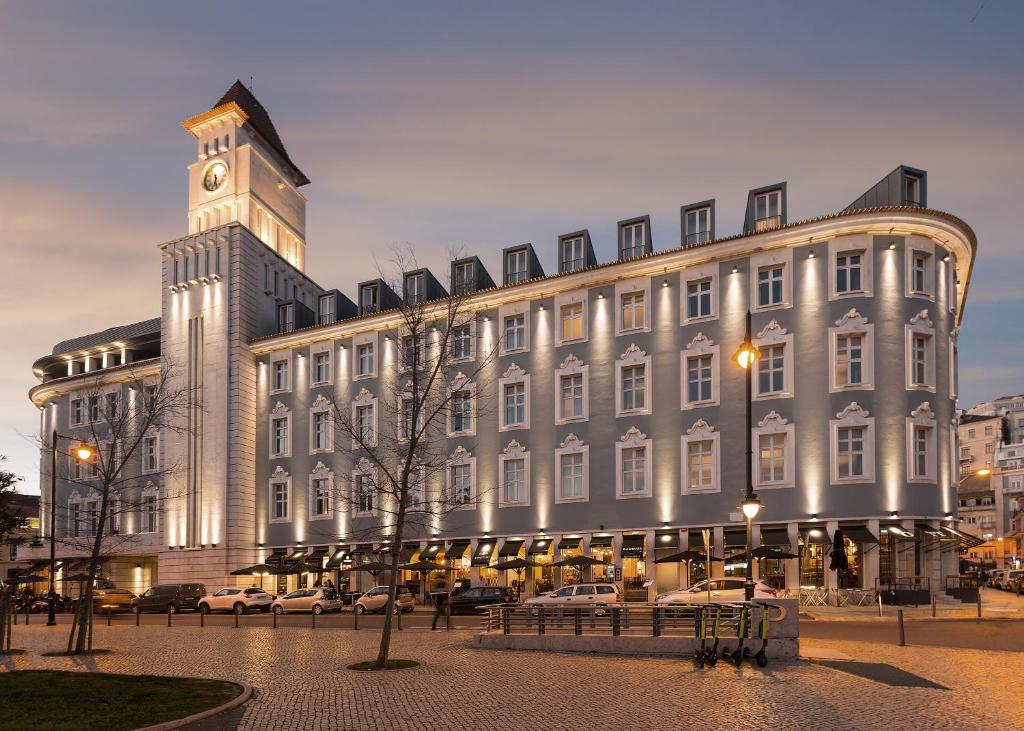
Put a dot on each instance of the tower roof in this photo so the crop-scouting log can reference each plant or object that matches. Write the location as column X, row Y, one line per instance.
column 239, row 97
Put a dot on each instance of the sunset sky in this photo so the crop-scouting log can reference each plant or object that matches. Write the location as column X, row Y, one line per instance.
column 477, row 126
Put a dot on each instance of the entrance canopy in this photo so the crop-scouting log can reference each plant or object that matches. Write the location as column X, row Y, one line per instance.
column 633, row 546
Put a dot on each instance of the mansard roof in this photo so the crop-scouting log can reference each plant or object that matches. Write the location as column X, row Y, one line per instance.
column 115, row 334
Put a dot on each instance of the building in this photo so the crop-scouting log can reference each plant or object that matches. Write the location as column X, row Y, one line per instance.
column 1011, row 408
column 854, row 414
column 12, row 562
column 980, row 435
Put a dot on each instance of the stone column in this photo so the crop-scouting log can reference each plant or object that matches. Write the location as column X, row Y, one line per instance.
column 650, row 548
column 870, row 560
column 755, row 541
column 684, row 543
column 617, row 559
column 793, row 564
column 556, row 572
column 474, row 571
column 717, row 568
column 831, row 577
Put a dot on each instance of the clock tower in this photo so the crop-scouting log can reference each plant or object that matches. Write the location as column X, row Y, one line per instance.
column 243, row 173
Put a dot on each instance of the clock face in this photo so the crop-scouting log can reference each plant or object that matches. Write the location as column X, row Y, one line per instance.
column 215, row 176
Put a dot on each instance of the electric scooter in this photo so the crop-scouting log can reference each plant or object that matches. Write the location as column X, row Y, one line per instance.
column 740, row 652
column 761, row 656
column 701, row 631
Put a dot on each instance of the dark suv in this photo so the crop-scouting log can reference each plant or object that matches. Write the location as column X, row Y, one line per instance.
column 469, row 601
column 169, row 598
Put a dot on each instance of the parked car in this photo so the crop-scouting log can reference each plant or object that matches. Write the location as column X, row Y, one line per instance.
column 109, row 598
column 579, row 595
column 376, row 599
column 317, row 601
column 473, row 599
column 237, row 600
column 169, row 598
column 995, row 578
column 722, row 590
column 1010, row 579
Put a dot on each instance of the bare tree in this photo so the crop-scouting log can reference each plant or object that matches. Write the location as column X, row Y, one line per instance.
column 12, row 524
column 120, row 419
column 397, row 441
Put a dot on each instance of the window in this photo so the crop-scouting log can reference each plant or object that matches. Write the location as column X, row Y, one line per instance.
column 851, row 344
column 414, row 292
column 321, row 428
column 320, row 503
column 461, row 484
column 769, row 286
column 364, row 360
column 74, row 519
column 633, row 462
column 95, row 413
column 280, row 490
column 632, row 311
column 918, row 272
column 92, row 516
column 285, row 318
column 279, row 436
column 572, row 258
column 921, row 451
column 515, row 404
column 988, row 431
column 572, row 321
column 919, row 360
column 368, row 299
column 364, row 497
column 514, row 481
column 698, row 378
column 920, row 352
column 150, row 454
column 774, row 440
column 632, row 240
column 364, row 424
column 151, row 397
column 911, row 190
column 571, row 470
column 464, row 281
column 515, row 267
column 462, row 412
column 850, row 452
column 405, row 423
column 965, row 452
column 771, row 375
column 698, row 225
column 461, row 338
column 772, row 456
column 326, row 309
column 767, row 210
column 149, row 512
column 515, row 332
column 279, row 375
column 633, row 382
column 849, row 360
column 698, row 299
column 700, row 459
column 971, row 434
column 571, row 391
column 77, row 411
column 920, row 463
column 322, row 367
column 848, row 273
column 412, row 352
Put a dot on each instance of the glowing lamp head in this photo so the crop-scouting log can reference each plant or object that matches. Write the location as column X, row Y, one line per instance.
column 747, row 354
column 751, row 507
column 983, row 472
column 84, row 452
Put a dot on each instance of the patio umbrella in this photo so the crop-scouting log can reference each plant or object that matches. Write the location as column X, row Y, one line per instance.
column 839, row 561
column 260, row 569
column 423, row 567
column 763, row 553
column 78, row 577
column 579, row 563
column 519, row 565
column 30, row 579
column 686, row 557
column 374, row 568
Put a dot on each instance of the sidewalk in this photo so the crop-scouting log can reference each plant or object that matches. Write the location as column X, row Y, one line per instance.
column 995, row 604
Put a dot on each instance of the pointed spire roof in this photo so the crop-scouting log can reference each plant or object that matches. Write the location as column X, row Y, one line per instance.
column 240, row 98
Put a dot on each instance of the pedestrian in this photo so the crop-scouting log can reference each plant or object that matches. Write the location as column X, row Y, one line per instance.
column 440, row 597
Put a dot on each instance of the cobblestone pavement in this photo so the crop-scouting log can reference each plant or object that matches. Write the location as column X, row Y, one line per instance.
column 301, row 683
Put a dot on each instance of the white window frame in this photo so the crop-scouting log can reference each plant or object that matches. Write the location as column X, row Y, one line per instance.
column 693, row 275
column 843, row 246
column 920, row 325
column 853, row 416
column 146, row 469
column 699, row 347
column 562, row 260
column 462, row 383
column 572, row 445
column 633, row 227
column 922, row 417
column 518, row 274
column 773, row 423
column 637, row 285
column 571, row 366
column 364, row 469
column 285, row 358
column 569, row 298
column 768, row 222
column 320, row 406
column 280, row 477
column 701, row 431
column 688, row 232
column 321, row 472
column 519, row 309
column 314, row 353
column 775, row 257
column 927, row 248
column 852, row 323
column 514, row 451
column 633, row 356
column 774, row 334
column 634, row 439
column 460, row 457
column 952, row 352
column 513, row 375
column 365, row 399
column 149, row 491
column 470, row 324
column 84, row 414
column 415, row 295
column 360, row 340
column 73, row 526
column 331, row 315
column 280, row 411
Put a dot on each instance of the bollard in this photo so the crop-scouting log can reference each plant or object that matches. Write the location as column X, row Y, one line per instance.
column 355, row 617
column 448, row 615
column 577, row 625
column 899, row 619
column 236, row 620
column 979, row 603
column 879, row 604
column 933, row 606
column 202, row 619
column 312, row 619
column 28, row 615
column 616, row 621
column 275, row 619
column 138, row 616
column 108, row 617
column 169, row 613
column 540, row 620
column 400, row 613
column 656, row 623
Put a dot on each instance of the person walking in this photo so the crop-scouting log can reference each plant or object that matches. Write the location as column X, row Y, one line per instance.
column 440, row 597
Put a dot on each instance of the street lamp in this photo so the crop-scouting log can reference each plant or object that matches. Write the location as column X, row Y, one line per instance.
column 745, row 357
column 84, row 453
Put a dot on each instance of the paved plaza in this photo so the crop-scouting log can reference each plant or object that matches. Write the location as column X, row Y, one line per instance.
column 301, row 683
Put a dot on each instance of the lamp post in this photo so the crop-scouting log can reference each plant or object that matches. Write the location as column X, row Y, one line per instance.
column 85, row 453
column 745, row 357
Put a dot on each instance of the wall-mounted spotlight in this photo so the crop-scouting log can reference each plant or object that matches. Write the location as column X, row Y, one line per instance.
column 735, row 268
column 810, row 255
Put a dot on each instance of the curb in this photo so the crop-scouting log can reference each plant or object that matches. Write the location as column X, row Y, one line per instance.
column 238, row 700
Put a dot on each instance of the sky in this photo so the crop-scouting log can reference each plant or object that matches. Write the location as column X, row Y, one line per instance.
column 474, row 126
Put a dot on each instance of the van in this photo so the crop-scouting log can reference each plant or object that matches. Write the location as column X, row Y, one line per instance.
column 170, row 598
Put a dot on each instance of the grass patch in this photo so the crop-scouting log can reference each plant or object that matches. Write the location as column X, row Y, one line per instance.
column 62, row 653
column 370, row 665
column 61, row 700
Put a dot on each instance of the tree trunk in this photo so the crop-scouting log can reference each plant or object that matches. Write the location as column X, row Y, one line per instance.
column 389, row 608
column 85, row 600
column 5, row 622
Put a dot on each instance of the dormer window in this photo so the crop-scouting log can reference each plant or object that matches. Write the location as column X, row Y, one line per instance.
column 285, row 318
column 369, row 300
column 632, row 240
column 571, row 254
column 464, row 278
column 911, row 189
column 326, row 309
column 414, row 288
column 698, row 226
column 768, row 210
column 515, row 267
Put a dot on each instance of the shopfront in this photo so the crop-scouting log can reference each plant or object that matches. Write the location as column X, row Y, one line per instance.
column 772, row 571
column 735, row 544
column 634, row 567
column 568, row 547
column 341, row 558
column 509, row 550
column 813, row 548
column 482, row 562
column 695, row 542
column 413, row 580
column 543, row 576
column 601, row 549
column 458, row 560
column 666, row 575
column 859, row 542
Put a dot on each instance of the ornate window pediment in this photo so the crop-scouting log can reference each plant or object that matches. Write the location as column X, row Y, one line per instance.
column 461, row 455
column 571, row 364
column 923, row 415
column 700, row 428
column 571, row 441
column 364, row 466
column 633, row 354
column 633, row 437
column 279, row 410
column 852, row 320
column 321, row 404
column 321, row 470
column 773, row 420
column 514, row 449
column 514, row 373
column 363, row 398
column 772, row 332
column 921, row 319
column 700, row 344
column 279, row 473
column 460, row 381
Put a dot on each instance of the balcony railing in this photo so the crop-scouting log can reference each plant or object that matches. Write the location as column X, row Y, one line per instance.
column 769, row 223
column 698, row 237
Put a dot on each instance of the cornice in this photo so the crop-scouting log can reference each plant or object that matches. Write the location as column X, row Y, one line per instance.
column 43, row 392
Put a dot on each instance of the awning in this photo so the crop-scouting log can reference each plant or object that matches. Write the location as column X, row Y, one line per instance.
column 667, row 539
column 695, row 539
column 569, row 544
column 363, row 550
column 484, row 551
column 965, row 539
column 816, row 536
column 428, row 553
column 276, row 557
column 510, row 548
column 633, row 546
column 457, row 550
column 601, row 541
column 539, row 547
column 900, row 533
column 927, row 530
column 340, row 556
column 408, row 551
column 296, row 556
column 775, row 537
column 735, row 537
column 858, row 534
column 316, row 558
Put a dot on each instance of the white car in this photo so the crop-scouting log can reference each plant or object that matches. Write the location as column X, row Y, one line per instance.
column 579, row 595
column 995, row 578
column 317, row 601
column 234, row 599
column 722, row 590
column 376, row 599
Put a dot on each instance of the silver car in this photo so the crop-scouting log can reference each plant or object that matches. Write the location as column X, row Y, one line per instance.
column 579, row 595
column 721, row 590
column 317, row 601
column 376, row 599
